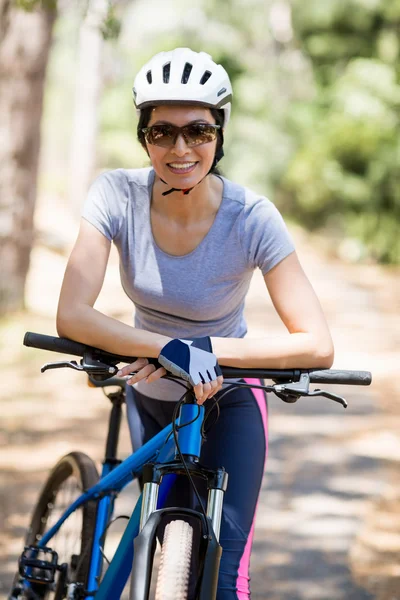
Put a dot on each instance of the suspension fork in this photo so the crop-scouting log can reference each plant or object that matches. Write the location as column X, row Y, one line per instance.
column 189, row 438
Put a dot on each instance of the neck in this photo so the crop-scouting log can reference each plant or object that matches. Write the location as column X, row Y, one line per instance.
column 203, row 200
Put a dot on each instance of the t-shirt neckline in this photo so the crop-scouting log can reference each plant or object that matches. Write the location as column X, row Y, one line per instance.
column 209, row 232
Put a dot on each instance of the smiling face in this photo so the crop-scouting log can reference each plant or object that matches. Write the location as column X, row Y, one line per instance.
column 180, row 165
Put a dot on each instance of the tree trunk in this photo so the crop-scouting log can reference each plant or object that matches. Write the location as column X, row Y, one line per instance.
column 86, row 112
column 25, row 38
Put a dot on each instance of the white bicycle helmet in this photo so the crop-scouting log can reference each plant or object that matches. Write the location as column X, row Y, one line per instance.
column 185, row 77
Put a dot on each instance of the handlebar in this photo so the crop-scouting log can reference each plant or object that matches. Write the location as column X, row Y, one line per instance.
column 66, row 346
column 329, row 376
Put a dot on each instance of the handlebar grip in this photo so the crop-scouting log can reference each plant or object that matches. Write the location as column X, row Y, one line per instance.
column 66, row 346
column 342, row 377
column 54, row 344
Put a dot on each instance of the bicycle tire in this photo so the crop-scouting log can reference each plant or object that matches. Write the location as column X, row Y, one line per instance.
column 174, row 570
column 80, row 467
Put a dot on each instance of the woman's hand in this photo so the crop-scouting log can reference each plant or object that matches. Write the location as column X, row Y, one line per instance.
column 203, row 391
column 193, row 361
column 144, row 370
column 149, row 372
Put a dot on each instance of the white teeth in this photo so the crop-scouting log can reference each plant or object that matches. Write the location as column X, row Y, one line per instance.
column 181, row 165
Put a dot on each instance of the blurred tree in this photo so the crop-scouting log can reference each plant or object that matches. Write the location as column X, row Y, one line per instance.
column 25, row 38
column 316, row 119
column 99, row 23
column 253, row 40
column 345, row 173
column 87, row 92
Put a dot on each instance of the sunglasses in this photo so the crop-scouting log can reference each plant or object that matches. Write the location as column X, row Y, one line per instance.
column 194, row 134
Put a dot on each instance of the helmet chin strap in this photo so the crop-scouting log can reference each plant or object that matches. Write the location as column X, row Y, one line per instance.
column 218, row 155
column 183, row 190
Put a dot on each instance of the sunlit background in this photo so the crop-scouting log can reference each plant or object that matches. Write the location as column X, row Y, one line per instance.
column 315, row 126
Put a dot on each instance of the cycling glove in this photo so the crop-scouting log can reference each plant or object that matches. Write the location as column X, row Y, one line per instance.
column 192, row 360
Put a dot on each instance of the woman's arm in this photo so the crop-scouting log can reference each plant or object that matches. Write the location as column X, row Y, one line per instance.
column 76, row 317
column 79, row 321
column 308, row 343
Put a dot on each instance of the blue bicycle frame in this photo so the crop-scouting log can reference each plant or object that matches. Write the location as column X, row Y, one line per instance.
column 160, row 449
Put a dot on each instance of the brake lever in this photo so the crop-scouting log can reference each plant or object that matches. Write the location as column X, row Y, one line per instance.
column 92, row 369
column 61, row 364
column 329, row 395
column 291, row 392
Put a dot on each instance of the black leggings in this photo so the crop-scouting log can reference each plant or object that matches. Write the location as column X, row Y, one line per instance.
column 238, row 442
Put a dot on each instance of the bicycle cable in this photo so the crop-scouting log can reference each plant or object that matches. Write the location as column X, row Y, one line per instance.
column 215, row 406
column 179, row 426
column 102, row 538
column 175, row 429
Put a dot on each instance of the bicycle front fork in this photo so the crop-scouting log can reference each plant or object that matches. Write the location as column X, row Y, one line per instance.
column 214, row 504
column 189, row 435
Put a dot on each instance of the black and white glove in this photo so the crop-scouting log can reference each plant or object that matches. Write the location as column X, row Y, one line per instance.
column 192, row 360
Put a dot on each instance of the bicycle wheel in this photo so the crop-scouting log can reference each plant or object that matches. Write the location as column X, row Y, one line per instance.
column 174, row 570
column 73, row 474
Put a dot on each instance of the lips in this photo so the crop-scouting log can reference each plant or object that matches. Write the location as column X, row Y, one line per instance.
column 182, row 168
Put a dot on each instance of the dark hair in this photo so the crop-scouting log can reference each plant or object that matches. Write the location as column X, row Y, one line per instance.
column 218, row 115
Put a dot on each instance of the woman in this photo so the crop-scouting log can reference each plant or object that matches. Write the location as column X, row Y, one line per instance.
column 189, row 241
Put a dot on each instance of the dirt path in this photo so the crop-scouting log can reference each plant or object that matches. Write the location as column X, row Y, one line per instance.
column 326, row 529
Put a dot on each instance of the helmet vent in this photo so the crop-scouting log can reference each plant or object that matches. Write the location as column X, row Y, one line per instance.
column 149, row 77
column 205, row 78
column 221, row 91
column 166, row 71
column 186, row 72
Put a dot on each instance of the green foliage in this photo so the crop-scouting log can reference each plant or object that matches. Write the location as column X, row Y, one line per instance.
column 111, row 27
column 344, row 175
column 30, row 5
column 319, row 131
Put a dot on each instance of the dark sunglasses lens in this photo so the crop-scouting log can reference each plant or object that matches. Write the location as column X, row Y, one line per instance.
column 199, row 133
column 195, row 134
column 161, row 135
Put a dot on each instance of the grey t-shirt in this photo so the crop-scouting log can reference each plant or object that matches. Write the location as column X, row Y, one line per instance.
column 198, row 294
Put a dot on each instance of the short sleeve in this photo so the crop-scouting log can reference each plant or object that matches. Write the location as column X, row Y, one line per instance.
column 105, row 203
column 266, row 239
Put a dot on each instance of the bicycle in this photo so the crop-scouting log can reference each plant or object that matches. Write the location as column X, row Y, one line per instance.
column 46, row 572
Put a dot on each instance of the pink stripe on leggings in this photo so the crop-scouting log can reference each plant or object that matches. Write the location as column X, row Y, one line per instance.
column 243, row 579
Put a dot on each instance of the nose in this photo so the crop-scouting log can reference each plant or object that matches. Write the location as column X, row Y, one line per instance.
column 180, row 147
